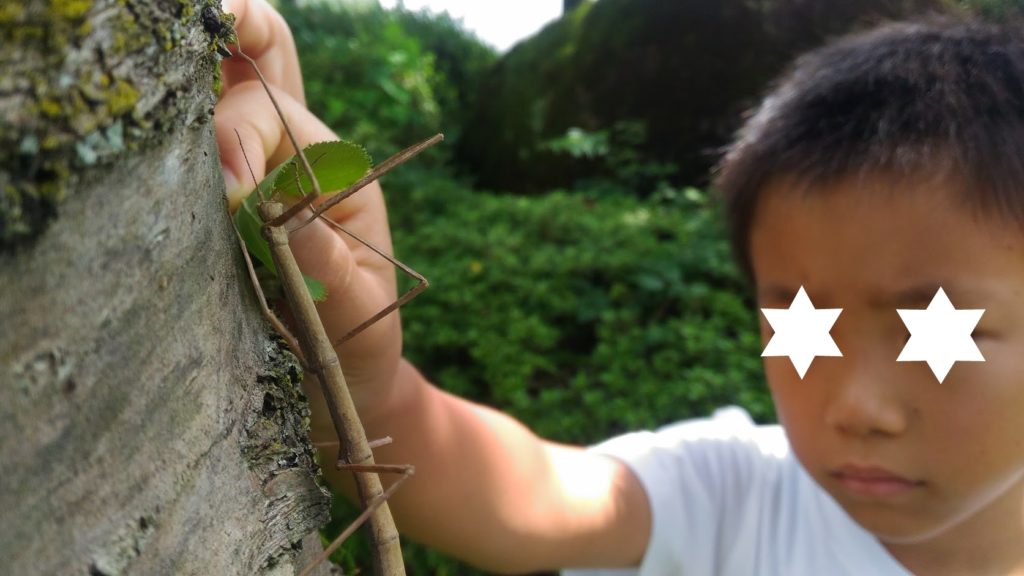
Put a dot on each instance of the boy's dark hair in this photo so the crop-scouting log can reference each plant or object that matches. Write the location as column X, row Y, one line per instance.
column 909, row 100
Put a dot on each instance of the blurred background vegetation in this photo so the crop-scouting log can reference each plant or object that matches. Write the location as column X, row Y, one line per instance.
column 580, row 275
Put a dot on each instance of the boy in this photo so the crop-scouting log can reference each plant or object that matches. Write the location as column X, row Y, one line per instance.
column 880, row 169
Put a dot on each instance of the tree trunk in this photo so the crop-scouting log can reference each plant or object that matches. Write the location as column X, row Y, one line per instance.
column 148, row 423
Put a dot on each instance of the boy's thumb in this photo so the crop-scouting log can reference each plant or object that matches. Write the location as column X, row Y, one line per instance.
column 240, row 122
column 236, row 192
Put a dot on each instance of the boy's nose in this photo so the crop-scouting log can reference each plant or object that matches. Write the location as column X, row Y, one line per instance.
column 864, row 398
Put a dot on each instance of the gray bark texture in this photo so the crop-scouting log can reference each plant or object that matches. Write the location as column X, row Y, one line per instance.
column 148, row 422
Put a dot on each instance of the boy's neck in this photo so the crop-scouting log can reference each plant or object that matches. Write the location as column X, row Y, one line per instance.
column 989, row 543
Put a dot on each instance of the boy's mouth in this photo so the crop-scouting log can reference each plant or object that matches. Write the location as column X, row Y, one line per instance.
column 873, row 481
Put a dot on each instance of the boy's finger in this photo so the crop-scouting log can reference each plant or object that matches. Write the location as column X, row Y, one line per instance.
column 246, row 109
column 264, row 35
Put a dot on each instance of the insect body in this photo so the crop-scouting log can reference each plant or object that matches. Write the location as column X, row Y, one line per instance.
column 311, row 344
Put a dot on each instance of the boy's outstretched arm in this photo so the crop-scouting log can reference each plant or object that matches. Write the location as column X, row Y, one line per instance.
column 486, row 489
column 489, row 491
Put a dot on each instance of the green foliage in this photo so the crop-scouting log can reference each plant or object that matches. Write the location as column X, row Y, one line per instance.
column 579, row 143
column 583, row 316
column 460, row 59
column 335, row 164
column 385, row 78
column 583, row 313
column 521, row 101
column 994, row 9
column 685, row 70
column 615, row 161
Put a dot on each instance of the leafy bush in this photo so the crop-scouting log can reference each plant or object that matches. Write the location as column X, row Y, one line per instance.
column 583, row 316
column 460, row 59
column 614, row 162
column 684, row 69
column 385, row 78
column 994, row 9
column 583, row 313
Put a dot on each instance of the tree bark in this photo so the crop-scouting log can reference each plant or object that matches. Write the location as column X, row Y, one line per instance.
column 148, row 423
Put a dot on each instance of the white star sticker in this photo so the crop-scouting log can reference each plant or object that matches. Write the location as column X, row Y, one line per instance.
column 801, row 332
column 941, row 335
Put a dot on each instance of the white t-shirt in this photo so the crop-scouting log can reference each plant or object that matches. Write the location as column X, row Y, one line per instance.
column 729, row 498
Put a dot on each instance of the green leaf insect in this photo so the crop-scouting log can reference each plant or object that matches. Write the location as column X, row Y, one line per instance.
column 336, row 165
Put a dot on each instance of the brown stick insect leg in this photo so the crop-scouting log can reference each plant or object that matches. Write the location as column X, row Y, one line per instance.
column 421, row 283
column 381, row 169
column 275, row 322
column 371, row 444
column 287, row 128
column 406, row 472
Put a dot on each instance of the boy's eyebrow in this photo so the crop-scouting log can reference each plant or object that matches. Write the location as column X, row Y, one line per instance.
column 777, row 293
column 916, row 296
column 921, row 295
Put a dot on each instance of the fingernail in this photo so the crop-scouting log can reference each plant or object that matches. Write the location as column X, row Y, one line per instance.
column 228, row 6
column 232, row 188
column 230, row 180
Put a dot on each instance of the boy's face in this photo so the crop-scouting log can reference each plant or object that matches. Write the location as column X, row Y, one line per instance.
column 953, row 451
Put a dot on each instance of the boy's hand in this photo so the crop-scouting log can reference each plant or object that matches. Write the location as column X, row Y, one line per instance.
column 359, row 282
column 265, row 36
column 512, row 502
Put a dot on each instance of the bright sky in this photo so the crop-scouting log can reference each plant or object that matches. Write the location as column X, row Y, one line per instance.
column 500, row 23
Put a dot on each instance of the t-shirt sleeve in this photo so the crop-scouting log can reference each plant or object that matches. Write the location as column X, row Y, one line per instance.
column 705, row 479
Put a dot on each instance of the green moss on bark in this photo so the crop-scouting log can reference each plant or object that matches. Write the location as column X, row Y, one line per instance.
column 81, row 82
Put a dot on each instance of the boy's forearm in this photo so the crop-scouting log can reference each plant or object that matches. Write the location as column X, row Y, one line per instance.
column 463, row 474
column 486, row 489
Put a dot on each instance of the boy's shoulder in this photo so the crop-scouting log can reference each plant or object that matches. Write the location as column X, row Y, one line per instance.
column 729, row 437
column 728, row 496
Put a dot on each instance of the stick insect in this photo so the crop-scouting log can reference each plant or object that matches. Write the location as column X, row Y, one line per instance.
column 316, row 352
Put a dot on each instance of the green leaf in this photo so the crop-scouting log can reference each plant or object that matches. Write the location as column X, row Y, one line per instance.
column 316, row 288
column 265, row 189
column 248, row 221
column 336, row 165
